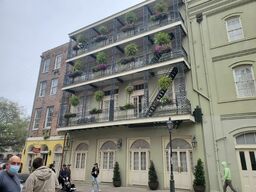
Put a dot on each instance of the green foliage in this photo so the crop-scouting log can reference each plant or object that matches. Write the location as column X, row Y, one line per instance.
column 69, row 115
column 199, row 173
column 116, row 175
column 127, row 106
column 13, row 125
column 152, row 177
column 95, row 111
column 164, row 82
column 129, row 89
column 130, row 17
column 81, row 39
column 160, row 7
column 131, row 49
column 74, row 100
column 101, row 57
column 162, row 38
column 103, row 30
column 99, row 95
column 78, row 66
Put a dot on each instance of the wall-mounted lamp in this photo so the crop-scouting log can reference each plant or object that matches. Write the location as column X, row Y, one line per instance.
column 194, row 142
column 119, row 143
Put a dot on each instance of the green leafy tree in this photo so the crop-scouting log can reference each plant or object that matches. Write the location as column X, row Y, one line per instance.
column 199, row 173
column 13, row 126
column 116, row 175
column 152, row 177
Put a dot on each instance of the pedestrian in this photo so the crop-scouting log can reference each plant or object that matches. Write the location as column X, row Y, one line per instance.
column 51, row 166
column 63, row 175
column 42, row 179
column 227, row 177
column 69, row 172
column 95, row 172
column 9, row 181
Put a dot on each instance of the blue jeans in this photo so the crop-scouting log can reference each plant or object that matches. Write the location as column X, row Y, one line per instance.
column 95, row 182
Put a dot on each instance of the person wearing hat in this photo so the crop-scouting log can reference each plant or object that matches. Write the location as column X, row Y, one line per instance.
column 95, row 172
column 63, row 174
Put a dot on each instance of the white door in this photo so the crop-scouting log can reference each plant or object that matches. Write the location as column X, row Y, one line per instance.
column 138, row 103
column 79, row 164
column 181, row 159
column 107, row 165
column 139, row 162
column 57, row 160
column 247, row 164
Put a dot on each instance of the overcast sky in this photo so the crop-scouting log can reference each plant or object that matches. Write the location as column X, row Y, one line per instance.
column 30, row 27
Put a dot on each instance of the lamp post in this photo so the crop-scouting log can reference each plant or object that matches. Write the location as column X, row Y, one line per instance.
column 170, row 126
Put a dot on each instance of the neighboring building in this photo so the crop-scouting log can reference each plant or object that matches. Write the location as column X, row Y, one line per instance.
column 43, row 139
column 127, row 121
column 222, row 37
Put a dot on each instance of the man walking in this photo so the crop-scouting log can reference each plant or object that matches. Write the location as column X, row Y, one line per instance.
column 9, row 181
column 227, row 177
column 42, row 179
column 95, row 172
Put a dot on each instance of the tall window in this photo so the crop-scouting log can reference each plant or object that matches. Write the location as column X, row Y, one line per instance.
column 48, row 117
column 234, row 29
column 37, row 117
column 58, row 59
column 46, row 65
column 244, row 81
column 54, row 86
column 42, row 89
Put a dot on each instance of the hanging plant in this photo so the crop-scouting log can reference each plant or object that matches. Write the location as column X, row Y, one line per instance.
column 95, row 111
column 101, row 57
column 162, row 38
column 160, row 10
column 81, row 40
column 74, row 100
column 103, row 34
column 130, row 19
column 103, row 30
column 99, row 95
column 130, row 51
column 129, row 89
column 69, row 115
column 164, row 82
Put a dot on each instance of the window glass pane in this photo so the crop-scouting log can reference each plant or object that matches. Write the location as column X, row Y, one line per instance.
column 111, row 160
column 83, row 161
column 242, row 160
column 46, row 65
column 175, row 161
column 250, row 138
column 183, row 162
column 54, row 86
column 234, row 29
column 240, row 139
column 49, row 115
column 58, row 61
column 42, row 89
column 37, row 118
column 143, row 161
column 136, row 161
column 252, row 158
column 78, row 155
column 108, row 145
column 105, row 160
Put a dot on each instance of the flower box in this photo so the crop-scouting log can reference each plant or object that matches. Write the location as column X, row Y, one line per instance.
column 100, row 67
column 95, row 111
column 75, row 74
column 160, row 49
column 69, row 115
column 126, row 107
column 128, row 27
column 126, row 60
column 100, row 38
column 159, row 16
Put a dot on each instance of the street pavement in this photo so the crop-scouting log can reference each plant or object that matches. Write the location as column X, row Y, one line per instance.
column 104, row 187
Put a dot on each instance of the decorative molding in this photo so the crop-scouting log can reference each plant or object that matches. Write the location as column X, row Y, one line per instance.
column 234, row 54
column 42, row 139
column 238, row 116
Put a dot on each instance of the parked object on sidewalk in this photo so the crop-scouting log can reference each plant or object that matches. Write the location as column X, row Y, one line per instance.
column 152, row 177
column 199, row 181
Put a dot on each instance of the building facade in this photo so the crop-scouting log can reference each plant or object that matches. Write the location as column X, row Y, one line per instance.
column 115, row 109
column 43, row 140
column 222, row 48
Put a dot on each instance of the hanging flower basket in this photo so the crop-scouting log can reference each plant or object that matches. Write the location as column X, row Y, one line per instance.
column 95, row 111
column 100, row 67
column 69, row 115
column 159, row 16
column 160, row 49
column 74, row 100
column 164, row 82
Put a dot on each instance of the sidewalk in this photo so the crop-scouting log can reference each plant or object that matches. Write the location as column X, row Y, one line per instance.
column 104, row 187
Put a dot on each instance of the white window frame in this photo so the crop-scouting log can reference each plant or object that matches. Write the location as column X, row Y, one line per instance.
column 58, row 60
column 46, row 65
column 229, row 31
column 42, row 88
column 54, row 86
column 48, row 117
column 37, row 118
column 238, row 92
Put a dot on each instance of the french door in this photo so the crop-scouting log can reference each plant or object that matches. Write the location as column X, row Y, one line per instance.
column 138, row 103
column 80, row 164
column 107, row 165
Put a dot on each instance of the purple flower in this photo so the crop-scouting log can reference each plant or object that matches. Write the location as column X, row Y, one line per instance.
column 102, row 66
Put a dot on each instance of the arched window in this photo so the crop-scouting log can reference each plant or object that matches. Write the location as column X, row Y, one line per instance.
column 82, row 147
column 234, row 28
column 246, row 139
column 179, row 144
column 244, row 81
column 108, row 154
column 140, row 144
column 109, row 145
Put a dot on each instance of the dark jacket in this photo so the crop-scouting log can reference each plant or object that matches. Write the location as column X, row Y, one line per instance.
column 95, row 172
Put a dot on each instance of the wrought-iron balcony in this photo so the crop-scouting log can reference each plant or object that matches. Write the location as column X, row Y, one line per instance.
column 141, row 27
column 115, row 68
column 175, row 107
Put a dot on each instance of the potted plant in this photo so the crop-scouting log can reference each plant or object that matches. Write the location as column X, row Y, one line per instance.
column 199, row 180
column 74, row 100
column 152, row 177
column 81, row 41
column 165, row 101
column 101, row 59
column 164, row 82
column 103, row 34
column 130, row 51
column 160, row 10
column 69, row 115
column 162, row 42
column 127, row 107
column 95, row 111
column 77, row 69
column 99, row 97
column 130, row 19
column 116, row 176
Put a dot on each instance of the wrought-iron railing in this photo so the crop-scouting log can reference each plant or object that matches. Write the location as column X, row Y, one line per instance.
column 140, row 28
column 114, row 68
column 174, row 107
